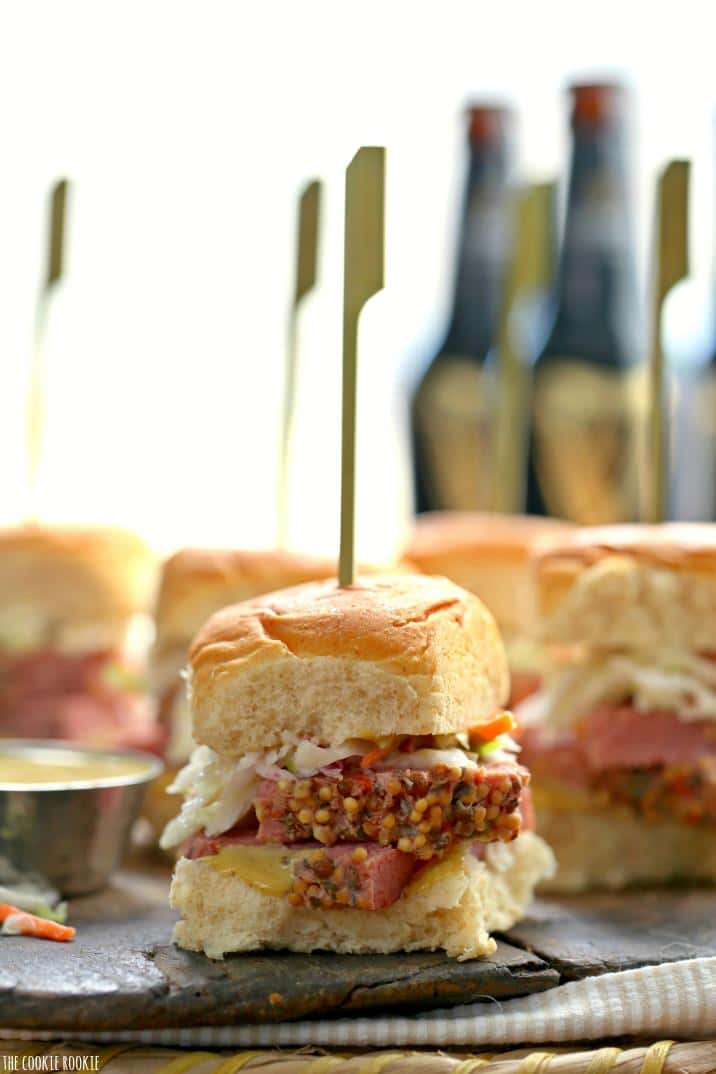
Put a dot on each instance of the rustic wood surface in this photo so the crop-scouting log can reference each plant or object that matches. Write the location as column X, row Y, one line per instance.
column 122, row 972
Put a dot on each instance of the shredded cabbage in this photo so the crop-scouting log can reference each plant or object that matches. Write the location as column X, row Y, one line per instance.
column 309, row 758
column 219, row 792
column 668, row 679
column 34, row 903
column 424, row 759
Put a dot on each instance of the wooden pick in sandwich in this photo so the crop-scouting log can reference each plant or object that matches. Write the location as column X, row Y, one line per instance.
column 54, row 265
column 530, row 272
column 362, row 278
column 672, row 240
column 309, row 222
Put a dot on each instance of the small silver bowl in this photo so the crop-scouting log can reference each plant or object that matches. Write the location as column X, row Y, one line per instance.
column 71, row 833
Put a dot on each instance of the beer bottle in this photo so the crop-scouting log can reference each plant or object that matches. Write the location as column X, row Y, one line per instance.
column 585, row 399
column 451, row 415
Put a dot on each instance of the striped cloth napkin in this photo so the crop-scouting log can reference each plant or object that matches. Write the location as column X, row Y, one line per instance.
column 677, row 1000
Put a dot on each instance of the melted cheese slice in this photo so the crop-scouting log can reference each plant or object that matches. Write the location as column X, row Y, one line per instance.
column 269, row 869
column 430, row 875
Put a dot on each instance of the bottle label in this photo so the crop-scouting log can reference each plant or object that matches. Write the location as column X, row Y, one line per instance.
column 454, row 422
column 588, row 424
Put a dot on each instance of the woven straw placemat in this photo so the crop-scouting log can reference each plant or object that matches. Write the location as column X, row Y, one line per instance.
column 660, row 1057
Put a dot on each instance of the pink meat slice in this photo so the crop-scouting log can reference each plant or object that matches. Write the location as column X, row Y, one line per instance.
column 202, row 845
column 49, row 694
column 618, row 737
column 474, row 802
column 377, row 881
column 624, row 737
column 560, row 759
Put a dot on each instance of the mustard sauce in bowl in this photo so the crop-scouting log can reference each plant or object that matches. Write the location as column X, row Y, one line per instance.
column 66, row 811
column 40, row 766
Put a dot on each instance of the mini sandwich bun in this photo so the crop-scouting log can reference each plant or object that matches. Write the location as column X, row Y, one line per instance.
column 196, row 582
column 401, row 654
column 455, row 909
column 55, row 580
column 488, row 554
column 609, row 847
column 633, row 587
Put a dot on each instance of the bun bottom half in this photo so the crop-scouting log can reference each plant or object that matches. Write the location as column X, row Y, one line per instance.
column 608, row 848
column 455, row 909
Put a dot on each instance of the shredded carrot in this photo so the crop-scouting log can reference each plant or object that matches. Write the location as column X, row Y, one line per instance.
column 373, row 756
column 31, row 925
column 500, row 725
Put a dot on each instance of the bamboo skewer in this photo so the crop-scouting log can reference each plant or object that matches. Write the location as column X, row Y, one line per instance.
column 309, row 222
column 672, row 227
column 530, row 270
column 36, row 407
column 362, row 278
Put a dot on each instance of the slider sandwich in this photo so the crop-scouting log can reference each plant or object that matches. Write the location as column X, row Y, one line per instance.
column 355, row 788
column 194, row 584
column 621, row 738
column 488, row 554
column 74, row 625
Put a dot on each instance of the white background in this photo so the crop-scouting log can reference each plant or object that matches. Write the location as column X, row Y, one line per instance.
column 187, row 130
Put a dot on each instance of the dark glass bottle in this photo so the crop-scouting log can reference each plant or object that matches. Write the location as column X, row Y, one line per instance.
column 451, row 412
column 584, row 435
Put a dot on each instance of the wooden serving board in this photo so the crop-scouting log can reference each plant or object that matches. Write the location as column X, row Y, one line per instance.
column 122, row 972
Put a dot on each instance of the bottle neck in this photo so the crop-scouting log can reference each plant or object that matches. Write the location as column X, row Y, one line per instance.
column 482, row 252
column 595, row 287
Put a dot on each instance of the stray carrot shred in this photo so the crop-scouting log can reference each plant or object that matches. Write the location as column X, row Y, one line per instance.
column 370, row 758
column 500, row 725
column 31, row 925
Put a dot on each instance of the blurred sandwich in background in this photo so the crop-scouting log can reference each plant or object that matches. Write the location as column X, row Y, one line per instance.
column 74, row 630
column 621, row 736
column 488, row 554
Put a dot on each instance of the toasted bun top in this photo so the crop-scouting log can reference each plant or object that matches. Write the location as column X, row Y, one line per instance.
column 401, row 654
column 52, row 577
column 196, row 582
column 637, row 586
column 487, row 554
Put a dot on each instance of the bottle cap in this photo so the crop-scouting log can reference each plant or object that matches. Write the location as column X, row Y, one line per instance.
column 486, row 123
column 595, row 102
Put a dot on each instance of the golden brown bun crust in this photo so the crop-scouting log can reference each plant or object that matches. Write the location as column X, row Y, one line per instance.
column 197, row 582
column 401, row 654
column 64, row 574
column 469, row 900
column 630, row 586
column 487, row 554
column 600, row 847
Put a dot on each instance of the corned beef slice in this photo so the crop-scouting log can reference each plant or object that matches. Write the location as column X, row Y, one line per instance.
column 426, row 809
